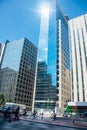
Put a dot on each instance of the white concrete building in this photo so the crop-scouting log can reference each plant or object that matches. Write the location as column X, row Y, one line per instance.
column 78, row 48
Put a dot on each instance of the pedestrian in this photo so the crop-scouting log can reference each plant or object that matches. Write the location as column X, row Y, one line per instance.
column 17, row 113
column 25, row 112
column 80, row 115
column 54, row 116
column 73, row 121
column 51, row 115
column 7, row 113
column 34, row 114
column 42, row 116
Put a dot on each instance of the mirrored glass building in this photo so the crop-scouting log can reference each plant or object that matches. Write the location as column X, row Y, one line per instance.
column 58, row 57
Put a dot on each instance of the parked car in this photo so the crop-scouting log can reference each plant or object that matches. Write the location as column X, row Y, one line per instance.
column 84, row 114
column 13, row 107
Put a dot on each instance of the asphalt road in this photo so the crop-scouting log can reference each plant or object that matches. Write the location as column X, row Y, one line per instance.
column 25, row 125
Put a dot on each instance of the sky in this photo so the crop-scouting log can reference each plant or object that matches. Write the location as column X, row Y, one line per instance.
column 21, row 18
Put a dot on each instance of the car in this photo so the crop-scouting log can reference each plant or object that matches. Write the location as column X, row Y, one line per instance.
column 84, row 114
column 13, row 107
column 4, row 108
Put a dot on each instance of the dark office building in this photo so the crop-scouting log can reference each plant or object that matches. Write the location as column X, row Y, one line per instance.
column 19, row 65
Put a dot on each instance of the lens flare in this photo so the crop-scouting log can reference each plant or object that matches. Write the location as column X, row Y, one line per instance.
column 45, row 11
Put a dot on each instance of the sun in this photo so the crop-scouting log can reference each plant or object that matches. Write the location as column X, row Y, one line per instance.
column 45, row 11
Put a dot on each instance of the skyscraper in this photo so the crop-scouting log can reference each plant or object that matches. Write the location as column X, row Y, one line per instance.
column 45, row 93
column 58, row 58
column 78, row 47
column 58, row 53
column 2, row 50
column 18, row 71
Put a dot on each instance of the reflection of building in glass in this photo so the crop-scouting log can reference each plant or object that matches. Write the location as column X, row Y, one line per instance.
column 20, row 56
column 45, row 93
column 78, row 46
column 8, row 80
column 58, row 58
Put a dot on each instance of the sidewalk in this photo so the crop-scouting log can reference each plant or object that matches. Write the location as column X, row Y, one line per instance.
column 80, row 125
column 77, row 124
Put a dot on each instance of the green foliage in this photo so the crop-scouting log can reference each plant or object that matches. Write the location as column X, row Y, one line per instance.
column 9, row 99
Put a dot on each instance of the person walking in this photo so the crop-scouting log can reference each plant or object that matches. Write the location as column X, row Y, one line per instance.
column 34, row 114
column 42, row 115
column 7, row 113
column 17, row 113
column 54, row 116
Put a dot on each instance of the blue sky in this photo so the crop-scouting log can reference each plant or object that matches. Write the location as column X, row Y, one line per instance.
column 21, row 18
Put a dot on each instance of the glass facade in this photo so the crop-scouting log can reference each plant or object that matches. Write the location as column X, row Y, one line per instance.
column 43, row 38
column 2, row 50
column 45, row 93
column 12, row 59
column 58, row 53
column 58, row 58
column 8, row 80
column 58, row 39
column 18, row 71
column 52, row 44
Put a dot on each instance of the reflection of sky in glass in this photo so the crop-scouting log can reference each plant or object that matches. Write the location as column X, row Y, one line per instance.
column 2, row 47
column 52, row 44
column 52, row 36
column 43, row 38
column 13, row 54
column 56, row 38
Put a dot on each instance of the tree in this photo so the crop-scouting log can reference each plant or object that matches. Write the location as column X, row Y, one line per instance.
column 9, row 99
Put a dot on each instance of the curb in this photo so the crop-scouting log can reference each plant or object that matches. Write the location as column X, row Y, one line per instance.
column 71, row 119
column 77, row 127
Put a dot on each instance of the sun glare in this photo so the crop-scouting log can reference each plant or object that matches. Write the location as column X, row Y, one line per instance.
column 45, row 10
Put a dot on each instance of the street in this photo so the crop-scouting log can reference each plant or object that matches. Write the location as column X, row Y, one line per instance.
column 26, row 125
